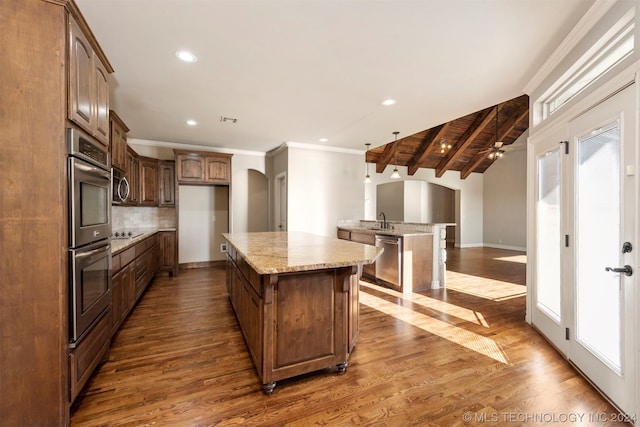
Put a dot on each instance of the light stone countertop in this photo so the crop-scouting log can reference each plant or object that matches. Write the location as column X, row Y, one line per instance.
column 384, row 232
column 283, row 252
column 118, row 245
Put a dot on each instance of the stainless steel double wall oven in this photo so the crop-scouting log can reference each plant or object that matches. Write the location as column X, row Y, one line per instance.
column 89, row 232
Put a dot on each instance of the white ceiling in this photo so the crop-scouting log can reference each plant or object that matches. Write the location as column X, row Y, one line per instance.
column 301, row 70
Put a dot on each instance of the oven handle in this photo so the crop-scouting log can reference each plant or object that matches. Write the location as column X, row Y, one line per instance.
column 93, row 252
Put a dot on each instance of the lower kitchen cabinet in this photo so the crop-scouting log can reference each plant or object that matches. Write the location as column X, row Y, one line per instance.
column 132, row 271
column 88, row 354
column 123, row 287
column 168, row 252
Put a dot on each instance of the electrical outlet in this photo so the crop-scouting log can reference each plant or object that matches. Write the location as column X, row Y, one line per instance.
column 223, row 247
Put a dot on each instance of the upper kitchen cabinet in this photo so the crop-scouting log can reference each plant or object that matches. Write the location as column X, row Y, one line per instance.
column 88, row 104
column 203, row 168
column 132, row 171
column 148, row 184
column 118, row 138
column 167, row 183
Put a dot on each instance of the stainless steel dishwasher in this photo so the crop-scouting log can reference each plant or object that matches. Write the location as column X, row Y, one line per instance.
column 388, row 265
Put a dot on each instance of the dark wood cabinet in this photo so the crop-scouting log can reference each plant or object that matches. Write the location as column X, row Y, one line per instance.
column 118, row 138
column 132, row 271
column 38, row 368
column 88, row 105
column 167, row 183
column 217, row 169
column 123, row 283
column 148, row 184
column 294, row 323
column 202, row 167
column 168, row 252
column 132, row 172
column 92, row 350
column 146, row 263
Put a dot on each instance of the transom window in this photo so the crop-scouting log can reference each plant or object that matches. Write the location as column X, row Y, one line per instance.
column 612, row 48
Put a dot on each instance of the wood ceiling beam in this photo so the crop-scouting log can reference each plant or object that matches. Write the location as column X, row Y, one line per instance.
column 481, row 122
column 507, row 127
column 387, row 155
column 427, row 146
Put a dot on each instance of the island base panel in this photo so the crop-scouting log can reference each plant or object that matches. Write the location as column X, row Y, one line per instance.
column 295, row 323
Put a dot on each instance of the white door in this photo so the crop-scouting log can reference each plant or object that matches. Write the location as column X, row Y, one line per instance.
column 584, row 214
column 604, row 190
column 548, row 311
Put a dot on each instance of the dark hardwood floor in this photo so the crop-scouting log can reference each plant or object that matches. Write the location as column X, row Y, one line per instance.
column 464, row 356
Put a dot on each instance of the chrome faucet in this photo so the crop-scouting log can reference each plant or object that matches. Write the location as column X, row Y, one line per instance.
column 384, row 220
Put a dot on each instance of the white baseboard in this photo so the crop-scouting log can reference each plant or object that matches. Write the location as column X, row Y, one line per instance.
column 491, row 245
column 469, row 245
column 507, row 247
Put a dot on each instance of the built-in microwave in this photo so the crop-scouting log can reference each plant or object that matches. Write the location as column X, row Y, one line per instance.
column 89, row 190
column 120, row 189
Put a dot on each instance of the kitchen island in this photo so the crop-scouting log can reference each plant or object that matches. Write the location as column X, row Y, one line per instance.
column 295, row 296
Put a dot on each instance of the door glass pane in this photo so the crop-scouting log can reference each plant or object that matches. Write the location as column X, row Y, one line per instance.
column 598, row 244
column 548, row 235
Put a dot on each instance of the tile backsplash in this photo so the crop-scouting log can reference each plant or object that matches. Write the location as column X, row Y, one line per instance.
column 127, row 217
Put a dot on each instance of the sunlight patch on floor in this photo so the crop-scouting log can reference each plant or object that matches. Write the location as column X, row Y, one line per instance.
column 520, row 259
column 494, row 290
column 434, row 304
column 467, row 339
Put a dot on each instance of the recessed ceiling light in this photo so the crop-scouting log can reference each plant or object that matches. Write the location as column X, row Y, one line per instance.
column 191, row 122
column 323, row 140
column 186, row 56
column 388, row 102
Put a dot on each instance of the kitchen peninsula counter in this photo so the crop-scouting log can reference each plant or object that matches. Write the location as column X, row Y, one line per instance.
column 295, row 296
column 426, row 242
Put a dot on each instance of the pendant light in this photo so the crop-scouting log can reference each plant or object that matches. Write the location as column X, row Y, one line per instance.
column 395, row 174
column 367, row 178
column 495, row 152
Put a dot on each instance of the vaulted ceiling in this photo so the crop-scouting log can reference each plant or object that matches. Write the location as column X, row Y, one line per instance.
column 466, row 141
column 315, row 71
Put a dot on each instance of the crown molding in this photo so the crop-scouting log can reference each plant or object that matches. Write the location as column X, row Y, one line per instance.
column 180, row 146
column 316, row 147
column 577, row 33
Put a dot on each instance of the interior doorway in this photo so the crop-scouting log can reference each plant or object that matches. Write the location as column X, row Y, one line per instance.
column 257, row 201
column 280, row 202
column 202, row 218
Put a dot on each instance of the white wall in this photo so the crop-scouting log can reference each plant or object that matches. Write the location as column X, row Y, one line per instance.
column 202, row 218
column 277, row 164
column 505, row 199
column 441, row 204
column 143, row 148
column 258, row 202
column 323, row 187
column 241, row 215
column 390, row 200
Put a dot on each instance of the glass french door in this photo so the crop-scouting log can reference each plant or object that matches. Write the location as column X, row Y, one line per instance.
column 584, row 284
column 548, row 313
